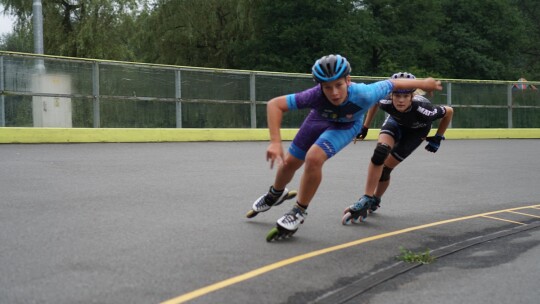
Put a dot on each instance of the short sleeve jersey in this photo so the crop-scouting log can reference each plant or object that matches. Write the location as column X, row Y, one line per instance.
column 360, row 98
column 421, row 113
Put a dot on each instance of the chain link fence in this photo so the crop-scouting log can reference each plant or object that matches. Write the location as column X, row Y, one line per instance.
column 48, row 91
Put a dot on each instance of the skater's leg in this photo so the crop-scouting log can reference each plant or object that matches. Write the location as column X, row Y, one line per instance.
column 310, row 181
column 277, row 193
column 375, row 167
column 286, row 171
column 384, row 182
column 407, row 144
column 312, row 176
column 358, row 211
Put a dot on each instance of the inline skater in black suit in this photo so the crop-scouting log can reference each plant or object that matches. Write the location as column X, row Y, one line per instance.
column 407, row 125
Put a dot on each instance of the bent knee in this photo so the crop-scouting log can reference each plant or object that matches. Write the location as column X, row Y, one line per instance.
column 380, row 154
column 315, row 159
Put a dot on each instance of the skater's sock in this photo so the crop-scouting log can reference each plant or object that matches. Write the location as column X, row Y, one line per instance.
column 303, row 207
column 276, row 193
column 273, row 195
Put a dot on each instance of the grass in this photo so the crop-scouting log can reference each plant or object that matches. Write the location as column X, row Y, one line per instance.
column 412, row 257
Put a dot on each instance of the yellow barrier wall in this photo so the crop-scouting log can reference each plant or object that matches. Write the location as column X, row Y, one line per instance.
column 88, row 135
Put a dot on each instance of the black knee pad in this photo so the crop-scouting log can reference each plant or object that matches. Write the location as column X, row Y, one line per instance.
column 385, row 176
column 380, row 154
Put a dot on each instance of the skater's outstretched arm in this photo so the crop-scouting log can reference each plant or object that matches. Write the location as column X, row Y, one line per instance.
column 427, row 84
column 275, row 109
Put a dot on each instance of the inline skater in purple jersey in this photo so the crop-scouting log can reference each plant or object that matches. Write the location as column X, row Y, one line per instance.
column 337, row 111
column 408, row 124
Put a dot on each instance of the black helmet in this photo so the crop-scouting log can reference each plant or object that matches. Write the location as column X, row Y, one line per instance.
column 406, row 76
column 330, row 68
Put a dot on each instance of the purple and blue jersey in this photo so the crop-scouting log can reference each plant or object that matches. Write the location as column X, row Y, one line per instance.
column 333, row 127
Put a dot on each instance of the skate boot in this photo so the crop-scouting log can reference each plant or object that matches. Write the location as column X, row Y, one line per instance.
column 288, row 224
column 375, row 204
column 267, row 201
column 357, row 212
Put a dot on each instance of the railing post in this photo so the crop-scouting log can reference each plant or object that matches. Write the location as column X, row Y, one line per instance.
column 449, row 98
column 95, row 93
column 2, row 100
column 252, row 99
column 178, row 96
column 510, row 105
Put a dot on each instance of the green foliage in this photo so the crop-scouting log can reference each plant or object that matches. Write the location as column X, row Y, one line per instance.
column 498, row 39
column 482, row 45
column 198, row 32
column 85, row 28
column 21, row 40
column 412, row 257
column 401, row 36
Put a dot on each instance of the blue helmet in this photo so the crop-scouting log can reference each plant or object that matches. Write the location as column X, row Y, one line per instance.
column 406, row 76
column 330, row 68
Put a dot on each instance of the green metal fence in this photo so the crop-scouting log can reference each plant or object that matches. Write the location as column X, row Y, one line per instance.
column 47, row 91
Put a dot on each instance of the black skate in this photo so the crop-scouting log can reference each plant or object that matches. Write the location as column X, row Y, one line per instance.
column 358, row 211
column 375, row 204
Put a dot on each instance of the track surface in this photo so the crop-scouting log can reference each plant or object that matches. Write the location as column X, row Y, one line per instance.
column 165, row 222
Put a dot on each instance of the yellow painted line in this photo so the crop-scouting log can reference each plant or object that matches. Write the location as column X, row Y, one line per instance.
column 86, row 135
column 259, row 271
column 103, row 135
column 501, row 219
column 526, row 214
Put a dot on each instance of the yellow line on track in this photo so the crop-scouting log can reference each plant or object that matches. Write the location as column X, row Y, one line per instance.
column 502, row 220
column 526, row 214
column 259, row 271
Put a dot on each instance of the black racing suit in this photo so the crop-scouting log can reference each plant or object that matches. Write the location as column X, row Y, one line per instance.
column 409, row 128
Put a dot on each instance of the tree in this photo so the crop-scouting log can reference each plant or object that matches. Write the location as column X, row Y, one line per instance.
column 84, row 28
column 480, row 45
column 20, row 40
column 400, row 35
column 197, row 32
column 290, row 35
column 526, row 62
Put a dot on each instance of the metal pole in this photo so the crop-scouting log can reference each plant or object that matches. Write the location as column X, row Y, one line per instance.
column 252, row 99
column 37, row 19
column 178, row 96
column 95, row 93
column 510, row 105
column 449, row 98
column 2, row 101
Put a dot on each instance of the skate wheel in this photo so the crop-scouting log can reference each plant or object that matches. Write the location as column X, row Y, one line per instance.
column 346, row 219
column 272, row 234
column 290, row 234
column 291, row 194
column 251, row 213
column 358, row 220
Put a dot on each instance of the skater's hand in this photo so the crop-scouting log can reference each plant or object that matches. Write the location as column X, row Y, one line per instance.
column 362, row 134
column 432, row 85
column 434, row 142
column 274, row 152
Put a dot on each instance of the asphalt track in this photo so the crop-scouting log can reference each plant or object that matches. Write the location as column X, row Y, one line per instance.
column 165, row 223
